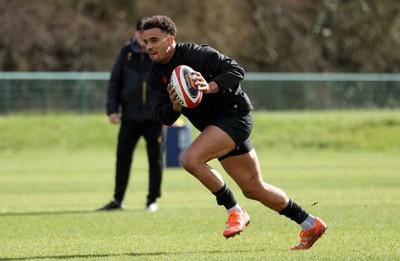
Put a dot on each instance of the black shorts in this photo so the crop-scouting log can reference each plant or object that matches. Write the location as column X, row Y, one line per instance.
column 238, row 126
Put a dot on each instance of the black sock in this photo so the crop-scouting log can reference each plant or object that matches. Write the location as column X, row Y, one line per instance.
column 294, row 212
column 225, row 197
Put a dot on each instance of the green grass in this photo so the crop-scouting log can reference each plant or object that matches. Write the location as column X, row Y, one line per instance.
column 327, row 130
column 50, row 187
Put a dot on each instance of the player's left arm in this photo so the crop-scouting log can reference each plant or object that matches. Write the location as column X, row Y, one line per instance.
column 225, row 72
column 203, row 85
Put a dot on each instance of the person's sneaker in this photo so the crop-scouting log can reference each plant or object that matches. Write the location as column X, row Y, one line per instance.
column 112, row 206
column 236, row 223
column 308, row 237
column 152, row 207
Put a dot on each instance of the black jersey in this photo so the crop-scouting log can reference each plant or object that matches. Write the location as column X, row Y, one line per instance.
column 213, row 66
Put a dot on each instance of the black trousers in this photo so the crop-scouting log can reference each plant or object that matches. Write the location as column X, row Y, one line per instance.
column 128, row 137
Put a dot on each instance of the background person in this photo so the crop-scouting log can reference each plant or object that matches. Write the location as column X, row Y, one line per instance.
column 127, row 91
column 224, row 120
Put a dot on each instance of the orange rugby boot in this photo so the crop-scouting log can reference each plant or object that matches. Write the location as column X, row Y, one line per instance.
column 308, row 237
column 236, row 223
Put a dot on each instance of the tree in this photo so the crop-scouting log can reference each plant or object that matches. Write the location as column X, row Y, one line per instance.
column 262, row 35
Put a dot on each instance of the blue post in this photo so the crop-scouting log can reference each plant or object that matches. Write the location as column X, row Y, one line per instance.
column 178, row 139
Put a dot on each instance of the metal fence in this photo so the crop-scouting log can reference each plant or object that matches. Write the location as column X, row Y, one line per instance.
column 85, row 92
column 316, row 91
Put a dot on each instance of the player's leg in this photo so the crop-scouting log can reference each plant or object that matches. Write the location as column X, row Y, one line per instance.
column 245, row 170
column 210, row 144
column 214, row 143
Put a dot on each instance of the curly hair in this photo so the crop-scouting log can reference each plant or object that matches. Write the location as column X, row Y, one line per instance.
column 162, row 22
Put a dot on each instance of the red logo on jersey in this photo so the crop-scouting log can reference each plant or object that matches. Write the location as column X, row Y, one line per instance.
column 164, row 79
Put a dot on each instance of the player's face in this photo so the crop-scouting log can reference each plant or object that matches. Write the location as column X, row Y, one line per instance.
column 159, row 45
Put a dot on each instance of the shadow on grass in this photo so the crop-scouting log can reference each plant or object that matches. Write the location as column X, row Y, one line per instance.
column 82, row 256
column 63, row 212
column 150, row 254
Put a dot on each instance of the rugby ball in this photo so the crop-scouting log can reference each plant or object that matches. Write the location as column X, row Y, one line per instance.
column 187, row 92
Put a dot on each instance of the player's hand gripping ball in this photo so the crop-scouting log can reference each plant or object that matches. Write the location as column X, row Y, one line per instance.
column 188, row 95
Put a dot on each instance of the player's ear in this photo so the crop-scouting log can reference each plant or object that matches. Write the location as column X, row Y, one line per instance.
column 170, row 40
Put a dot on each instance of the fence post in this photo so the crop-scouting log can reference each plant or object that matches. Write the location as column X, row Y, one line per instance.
column 46, row 95
column 306, row 90
column 84, row 97
column 383, row 102
column 278, row 95
column 250, row 90
column 333, row 96
column 360, row 96
column 7, row 97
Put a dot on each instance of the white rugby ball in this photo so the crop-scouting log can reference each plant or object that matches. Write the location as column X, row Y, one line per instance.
column 187, row 92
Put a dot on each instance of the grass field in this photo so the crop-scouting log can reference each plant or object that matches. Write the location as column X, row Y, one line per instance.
column 56, row 170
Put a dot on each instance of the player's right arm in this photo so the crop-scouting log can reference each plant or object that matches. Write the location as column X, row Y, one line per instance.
column 172, row 96
column 166, row 111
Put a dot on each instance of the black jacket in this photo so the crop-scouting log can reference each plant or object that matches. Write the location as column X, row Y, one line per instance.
column 214, row 66
column 127, row 89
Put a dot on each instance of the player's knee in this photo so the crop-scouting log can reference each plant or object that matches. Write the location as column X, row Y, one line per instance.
column 187, row 162
column 251, row 192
